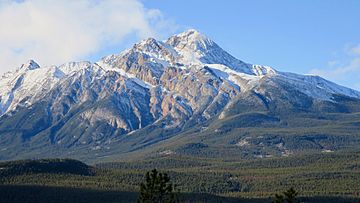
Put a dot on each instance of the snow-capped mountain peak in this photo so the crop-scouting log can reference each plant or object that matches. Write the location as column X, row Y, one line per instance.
column 195, row 48
column 30, row 65
column 30, row 82
column 191, row 39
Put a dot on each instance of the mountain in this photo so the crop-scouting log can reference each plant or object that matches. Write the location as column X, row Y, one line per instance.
column 182, row 96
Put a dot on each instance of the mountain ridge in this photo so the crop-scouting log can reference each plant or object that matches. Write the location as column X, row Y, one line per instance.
column 165, row 86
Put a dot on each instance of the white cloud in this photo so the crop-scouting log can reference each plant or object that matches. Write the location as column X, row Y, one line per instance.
column 54, row 32
column 353, row 66
column 346, row 73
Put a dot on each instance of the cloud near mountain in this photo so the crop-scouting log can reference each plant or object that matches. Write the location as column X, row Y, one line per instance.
column 58, row 31
column 342, row 70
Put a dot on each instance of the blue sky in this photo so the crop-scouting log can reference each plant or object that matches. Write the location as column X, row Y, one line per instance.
column 307, row 37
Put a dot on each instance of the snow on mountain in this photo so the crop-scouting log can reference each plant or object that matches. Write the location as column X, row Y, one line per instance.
column 30, row 65
column 195, row 48
column 316, row 86
column 30, row 82
column 105, row 64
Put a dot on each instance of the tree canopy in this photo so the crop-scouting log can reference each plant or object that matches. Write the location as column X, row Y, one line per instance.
column 289, row 196
column 157, row 188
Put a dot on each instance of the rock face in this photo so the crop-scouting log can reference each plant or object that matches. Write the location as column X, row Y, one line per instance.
column 148, row 94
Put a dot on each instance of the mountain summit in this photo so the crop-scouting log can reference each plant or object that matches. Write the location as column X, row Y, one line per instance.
column 185, row 95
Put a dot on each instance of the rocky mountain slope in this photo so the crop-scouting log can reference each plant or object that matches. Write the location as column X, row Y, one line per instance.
column 184, row 95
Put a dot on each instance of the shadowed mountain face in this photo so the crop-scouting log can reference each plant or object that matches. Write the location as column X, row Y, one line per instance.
column 182, row 96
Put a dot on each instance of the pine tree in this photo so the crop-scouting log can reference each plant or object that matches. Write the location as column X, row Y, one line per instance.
column 156, row 189
column 288, row 197
column 278, row 199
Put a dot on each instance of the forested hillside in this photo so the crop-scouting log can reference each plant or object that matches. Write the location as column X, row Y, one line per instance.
column 333, row 177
